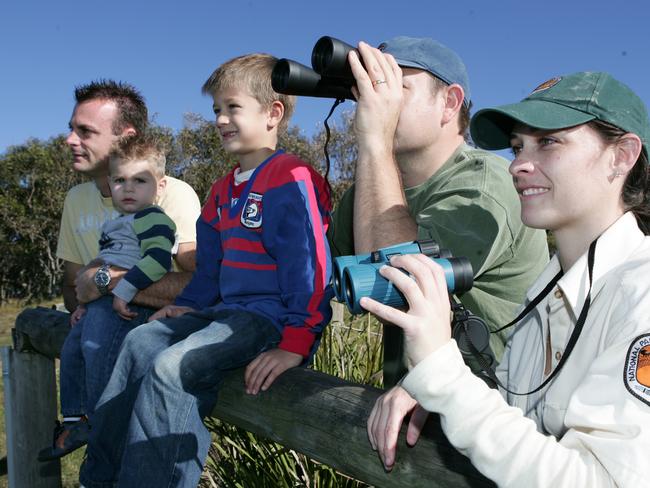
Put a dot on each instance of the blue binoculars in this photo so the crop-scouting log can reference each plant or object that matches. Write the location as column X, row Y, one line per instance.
column 355, row 277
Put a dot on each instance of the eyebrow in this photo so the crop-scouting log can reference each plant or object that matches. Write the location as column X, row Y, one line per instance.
column 83, row 127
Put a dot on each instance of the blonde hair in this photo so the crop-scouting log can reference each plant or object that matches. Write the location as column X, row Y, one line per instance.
column 143, row 147
column 251, row 72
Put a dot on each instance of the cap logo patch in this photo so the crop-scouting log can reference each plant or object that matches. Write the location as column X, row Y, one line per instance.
column 547, row 84
column 637, row 368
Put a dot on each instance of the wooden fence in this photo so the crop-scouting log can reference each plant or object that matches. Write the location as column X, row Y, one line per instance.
column 313, row 413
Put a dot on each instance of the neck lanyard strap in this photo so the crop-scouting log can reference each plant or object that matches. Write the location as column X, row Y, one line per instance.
column 534, row 302
column 574, row 335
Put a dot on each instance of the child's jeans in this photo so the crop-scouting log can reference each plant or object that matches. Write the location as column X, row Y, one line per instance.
column 89, row 353
column 148, row 428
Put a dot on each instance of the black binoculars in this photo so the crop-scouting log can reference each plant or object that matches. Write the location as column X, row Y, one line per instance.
column 331, row 76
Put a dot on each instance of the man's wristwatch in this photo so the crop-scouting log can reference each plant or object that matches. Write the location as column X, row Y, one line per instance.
column 103, row 279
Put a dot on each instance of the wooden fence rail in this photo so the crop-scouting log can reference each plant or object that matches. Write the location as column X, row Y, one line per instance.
column 313, row 413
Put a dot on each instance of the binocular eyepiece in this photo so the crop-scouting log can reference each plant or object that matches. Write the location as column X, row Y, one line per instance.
column 357, row 276
column 331, row 76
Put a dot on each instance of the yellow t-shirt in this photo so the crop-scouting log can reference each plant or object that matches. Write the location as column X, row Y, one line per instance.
column 85, row 211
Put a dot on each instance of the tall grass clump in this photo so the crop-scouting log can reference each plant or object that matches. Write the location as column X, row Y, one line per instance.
column 351, row 349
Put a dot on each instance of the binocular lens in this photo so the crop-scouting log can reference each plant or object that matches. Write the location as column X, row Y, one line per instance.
column 280, row 75
column 336, row 285
column 321, row 55
column 330, row 58
column 349, row 292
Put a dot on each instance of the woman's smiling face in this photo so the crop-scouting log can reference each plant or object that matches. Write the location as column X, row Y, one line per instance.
column 563, row 177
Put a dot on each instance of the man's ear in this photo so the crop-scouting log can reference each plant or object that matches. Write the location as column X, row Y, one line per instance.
column 627, row 151
column 454, row 97
column 276, row 113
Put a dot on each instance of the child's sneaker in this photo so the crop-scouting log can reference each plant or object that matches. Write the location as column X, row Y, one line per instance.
column 68, row 437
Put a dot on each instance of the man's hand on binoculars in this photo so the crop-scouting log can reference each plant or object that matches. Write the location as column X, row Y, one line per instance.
column 378, row 92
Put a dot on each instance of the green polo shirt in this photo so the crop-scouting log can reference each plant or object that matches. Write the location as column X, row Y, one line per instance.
column 470, row 207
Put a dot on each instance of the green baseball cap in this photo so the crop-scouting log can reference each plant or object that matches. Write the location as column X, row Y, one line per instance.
column 563, row 102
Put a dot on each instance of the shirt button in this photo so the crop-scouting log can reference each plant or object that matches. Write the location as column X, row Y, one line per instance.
column 558, row 293
column 558, row 355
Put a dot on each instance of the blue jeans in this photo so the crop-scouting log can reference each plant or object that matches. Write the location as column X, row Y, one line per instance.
column 148, row 428
column 89, row 353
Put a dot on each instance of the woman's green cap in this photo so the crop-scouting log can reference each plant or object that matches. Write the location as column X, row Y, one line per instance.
column 564, row 102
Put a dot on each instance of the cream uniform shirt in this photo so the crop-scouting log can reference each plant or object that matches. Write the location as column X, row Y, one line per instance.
column 85, row 210
column 591, row 425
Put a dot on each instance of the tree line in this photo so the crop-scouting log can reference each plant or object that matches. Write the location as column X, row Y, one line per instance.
column 36, row 175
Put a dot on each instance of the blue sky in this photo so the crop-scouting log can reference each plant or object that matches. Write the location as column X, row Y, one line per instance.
column 168, row 48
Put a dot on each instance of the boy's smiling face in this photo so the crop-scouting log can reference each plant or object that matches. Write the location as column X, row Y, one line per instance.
column 247, row 129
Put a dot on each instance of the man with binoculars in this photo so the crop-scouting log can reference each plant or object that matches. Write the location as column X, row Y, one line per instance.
column 416, row 178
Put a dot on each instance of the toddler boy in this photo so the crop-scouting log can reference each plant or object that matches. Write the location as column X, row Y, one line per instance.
column 139, row 240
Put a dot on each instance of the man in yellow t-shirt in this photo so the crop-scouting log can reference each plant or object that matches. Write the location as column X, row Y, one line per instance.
column 105, row 111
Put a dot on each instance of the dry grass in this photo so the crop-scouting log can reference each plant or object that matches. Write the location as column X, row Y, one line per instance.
column 70, row 464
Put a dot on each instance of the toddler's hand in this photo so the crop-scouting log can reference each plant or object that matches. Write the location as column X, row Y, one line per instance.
column 122, row 309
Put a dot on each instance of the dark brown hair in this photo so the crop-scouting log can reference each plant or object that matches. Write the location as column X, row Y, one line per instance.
column 636, row 194
column 131, row 107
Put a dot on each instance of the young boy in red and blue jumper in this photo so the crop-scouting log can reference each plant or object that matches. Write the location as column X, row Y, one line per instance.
column 259, row 297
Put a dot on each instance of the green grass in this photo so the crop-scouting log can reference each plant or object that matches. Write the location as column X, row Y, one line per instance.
column 350, row 349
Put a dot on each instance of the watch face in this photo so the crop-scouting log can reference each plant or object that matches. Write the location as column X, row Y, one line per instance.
column 102, row 278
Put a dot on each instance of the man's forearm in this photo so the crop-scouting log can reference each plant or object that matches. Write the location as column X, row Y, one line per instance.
column 164, row 291
column 381, row 215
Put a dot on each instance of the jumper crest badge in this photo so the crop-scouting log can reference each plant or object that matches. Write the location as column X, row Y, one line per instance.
column 251, row 215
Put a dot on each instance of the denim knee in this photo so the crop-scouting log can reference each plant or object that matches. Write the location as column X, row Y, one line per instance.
column 166, row 367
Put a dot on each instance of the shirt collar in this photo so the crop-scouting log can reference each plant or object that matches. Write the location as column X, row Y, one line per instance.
column 441, row 175
column 614, row 247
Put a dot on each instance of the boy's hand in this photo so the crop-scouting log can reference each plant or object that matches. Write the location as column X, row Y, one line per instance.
column 266, row 367
column 121, row 307
column 75, row 316
column 170, row 311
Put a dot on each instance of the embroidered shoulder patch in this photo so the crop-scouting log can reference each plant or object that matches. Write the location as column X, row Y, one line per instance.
column 251, row 215
column 637, row 368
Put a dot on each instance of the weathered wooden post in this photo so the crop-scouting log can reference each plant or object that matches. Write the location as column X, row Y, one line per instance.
column 30, row 397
